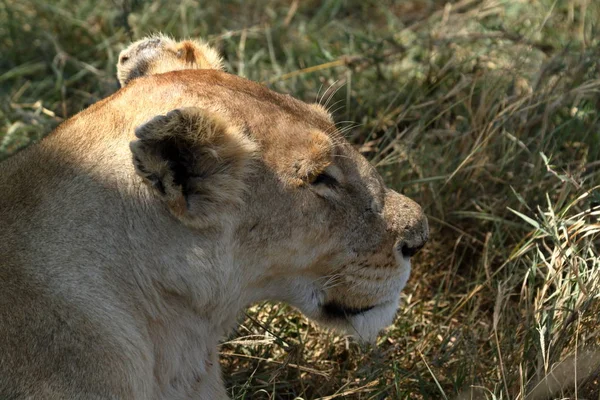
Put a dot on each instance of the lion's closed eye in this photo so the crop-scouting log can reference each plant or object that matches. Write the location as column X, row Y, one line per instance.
column 324, row 178
column 327, row 183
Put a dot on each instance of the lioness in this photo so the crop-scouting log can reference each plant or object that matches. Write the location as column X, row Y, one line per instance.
column 132, row 236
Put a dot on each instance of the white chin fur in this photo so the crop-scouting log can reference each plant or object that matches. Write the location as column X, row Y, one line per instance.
column 366, row 326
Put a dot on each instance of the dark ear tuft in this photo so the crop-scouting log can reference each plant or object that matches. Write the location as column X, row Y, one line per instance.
column 198, row 55
column 195, row 161
column 188, row 52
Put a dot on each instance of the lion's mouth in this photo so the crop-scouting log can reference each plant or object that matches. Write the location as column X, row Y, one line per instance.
column 336, row 310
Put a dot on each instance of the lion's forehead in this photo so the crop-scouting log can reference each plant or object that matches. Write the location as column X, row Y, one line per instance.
column 241, row 101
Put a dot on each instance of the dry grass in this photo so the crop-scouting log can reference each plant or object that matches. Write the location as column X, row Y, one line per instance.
column 484, row 111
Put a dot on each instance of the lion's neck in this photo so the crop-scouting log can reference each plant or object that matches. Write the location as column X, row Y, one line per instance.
column 178, row 292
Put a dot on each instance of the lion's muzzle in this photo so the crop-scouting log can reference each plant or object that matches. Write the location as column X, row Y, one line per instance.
column 407, row 222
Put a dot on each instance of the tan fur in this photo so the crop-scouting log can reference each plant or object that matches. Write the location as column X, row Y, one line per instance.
column 133, row 235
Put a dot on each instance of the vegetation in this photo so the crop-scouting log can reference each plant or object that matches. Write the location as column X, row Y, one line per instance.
column 486, row 112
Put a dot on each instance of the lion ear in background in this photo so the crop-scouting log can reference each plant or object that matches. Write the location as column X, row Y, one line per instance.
column 199, row 55
column 195, row 162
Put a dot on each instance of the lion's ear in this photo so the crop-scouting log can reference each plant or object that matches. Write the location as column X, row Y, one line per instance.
column 195, row 161
column 200, row 55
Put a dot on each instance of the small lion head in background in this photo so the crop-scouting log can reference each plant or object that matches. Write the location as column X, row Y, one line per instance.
column 158, row 54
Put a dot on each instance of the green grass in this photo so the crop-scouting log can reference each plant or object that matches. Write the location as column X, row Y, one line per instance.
column 486, row 112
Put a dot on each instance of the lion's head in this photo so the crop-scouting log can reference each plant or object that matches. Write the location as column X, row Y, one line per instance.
column 309, row 220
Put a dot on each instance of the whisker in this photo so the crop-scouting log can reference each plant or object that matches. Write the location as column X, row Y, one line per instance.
column 318, row 93
column 333, row 105
column 337, row 109
column 325, row 92
column 333, row 94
